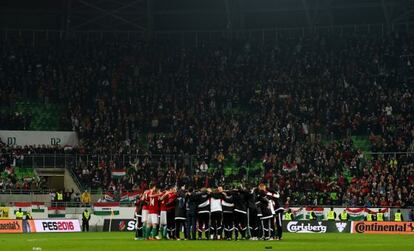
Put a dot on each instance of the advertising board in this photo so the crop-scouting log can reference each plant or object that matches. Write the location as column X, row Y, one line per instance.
column 384, row 227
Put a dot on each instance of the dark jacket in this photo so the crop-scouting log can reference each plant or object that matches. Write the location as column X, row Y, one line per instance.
column 262, row 202
column 180, row 212
column 241, row 201
column 203, row 200
column 228, row 203
column 191, row 203
column 277, row 202
column 251, row 202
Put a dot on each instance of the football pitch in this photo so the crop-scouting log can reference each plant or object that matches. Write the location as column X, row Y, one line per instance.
column 124, row 241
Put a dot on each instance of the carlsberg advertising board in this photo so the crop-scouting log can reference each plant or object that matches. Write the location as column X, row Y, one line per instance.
column 317, row 227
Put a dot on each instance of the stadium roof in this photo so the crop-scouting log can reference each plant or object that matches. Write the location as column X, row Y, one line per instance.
column 179, row 15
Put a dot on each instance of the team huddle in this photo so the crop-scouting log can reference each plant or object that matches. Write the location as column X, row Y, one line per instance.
column 209, row 214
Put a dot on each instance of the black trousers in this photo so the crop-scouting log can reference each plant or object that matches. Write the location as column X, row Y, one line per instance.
column 85, row 225
column 171, row 223
column 266, row 226
column 272, row 227
column 179, row 224
column 138, row 227
column 228, row 219
column 240, row 224
column 253, row 221
column 278, row 221
column 216, row 223
column 191, row 226
column 203, row 223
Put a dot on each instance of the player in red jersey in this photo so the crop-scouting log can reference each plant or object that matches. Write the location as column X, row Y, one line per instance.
column 145, row 200
column 153, row 211
column 166, row 204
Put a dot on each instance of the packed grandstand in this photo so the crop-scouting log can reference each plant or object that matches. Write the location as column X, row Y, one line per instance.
column 326, row 119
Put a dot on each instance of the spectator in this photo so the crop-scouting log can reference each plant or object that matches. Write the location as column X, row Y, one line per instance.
column 85, row 198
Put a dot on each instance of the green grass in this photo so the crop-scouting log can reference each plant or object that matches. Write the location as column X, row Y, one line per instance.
column 124, row 241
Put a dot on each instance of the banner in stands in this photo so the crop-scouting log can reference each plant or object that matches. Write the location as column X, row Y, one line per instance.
column 384, row 227
column 58, row 225
column 356, row 214
column 119, row 225
column 106, row 208
column 22, row 138
column 320, row 227
column 4, row 213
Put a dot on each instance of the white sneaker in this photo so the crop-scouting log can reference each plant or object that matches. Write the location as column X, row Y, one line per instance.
column 157, row 237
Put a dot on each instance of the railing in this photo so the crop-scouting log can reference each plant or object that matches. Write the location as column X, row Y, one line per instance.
column 67, row 204
column 73, row 160
column 196, row 37
column 25, row 191
column 132, row 204
column 75, row 178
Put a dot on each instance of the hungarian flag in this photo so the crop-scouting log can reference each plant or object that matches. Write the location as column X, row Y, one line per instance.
column 318, row 212
column 124, row 197
column 38, row 207
column 25, row 206
column 108, row 196
column 28, row 179
column 118, row 173
column 379, row 210
column 9, row 170
column 106, row 208
column 287, row 167
column 298, row 212
column 356, row 214
column 56, row 212
column 133, row 196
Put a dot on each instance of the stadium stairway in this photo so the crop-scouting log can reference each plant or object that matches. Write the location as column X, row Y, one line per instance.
column 59, row 178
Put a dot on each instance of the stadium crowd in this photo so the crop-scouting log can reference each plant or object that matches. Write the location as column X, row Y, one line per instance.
column 291, row 103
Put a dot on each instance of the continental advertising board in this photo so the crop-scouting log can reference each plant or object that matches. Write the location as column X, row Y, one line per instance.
column 384, row 227
column 39, row 226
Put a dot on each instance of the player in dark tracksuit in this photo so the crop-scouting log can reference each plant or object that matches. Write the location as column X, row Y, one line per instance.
column 203, row 214
column 252, row 215
column 267, row 215
column 240, row 212
column 180, row 214
column 228, row 206
column 216, row 213
column 138, row 219
column 278, row 211
column 258, row 202
column 170, row 207
column 191, row 210
column 270, row 195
